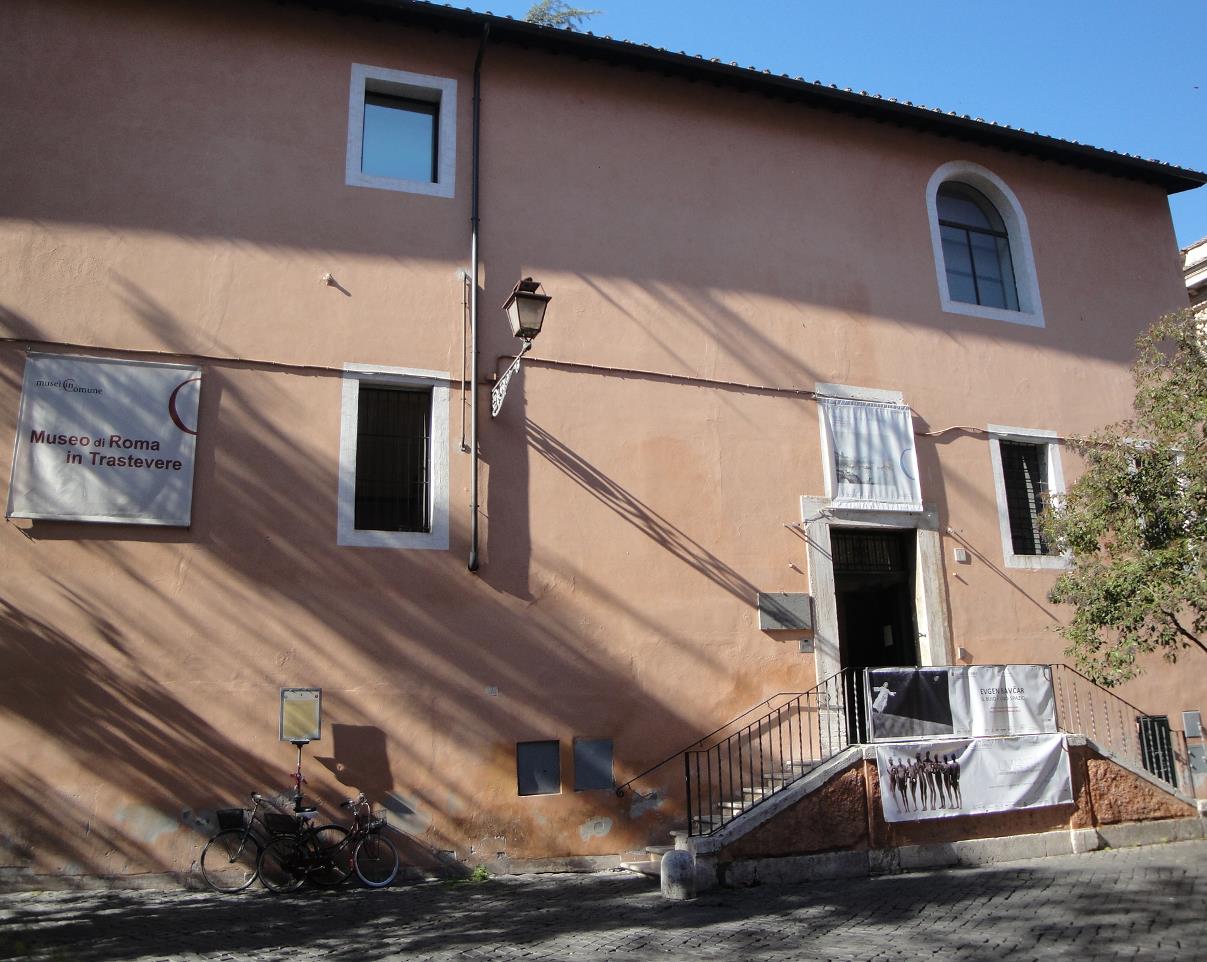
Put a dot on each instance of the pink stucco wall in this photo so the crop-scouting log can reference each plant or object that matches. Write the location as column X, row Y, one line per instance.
column 178, row 186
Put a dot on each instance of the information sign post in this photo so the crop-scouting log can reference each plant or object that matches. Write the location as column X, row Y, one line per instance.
column 301, row 724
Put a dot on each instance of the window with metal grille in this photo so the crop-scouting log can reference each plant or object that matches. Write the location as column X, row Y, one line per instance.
column 866, row 551
column 393, row 454
column 1025, row 473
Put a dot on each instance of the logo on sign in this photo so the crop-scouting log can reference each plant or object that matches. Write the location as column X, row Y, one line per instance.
column 68, row 384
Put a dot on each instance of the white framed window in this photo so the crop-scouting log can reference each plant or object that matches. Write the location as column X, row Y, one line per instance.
column 393, row 458
column 982, row 246
column 867, row 442
column 402, row 131
column 1026, row 472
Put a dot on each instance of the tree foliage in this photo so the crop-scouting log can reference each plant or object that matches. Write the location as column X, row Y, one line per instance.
column 557, row 13
column 1135, row 522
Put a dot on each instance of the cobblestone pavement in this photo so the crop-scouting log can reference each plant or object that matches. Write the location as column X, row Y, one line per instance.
column 1147, row 903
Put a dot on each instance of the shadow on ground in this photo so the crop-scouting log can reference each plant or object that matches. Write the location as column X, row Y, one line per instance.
column 1087, row 904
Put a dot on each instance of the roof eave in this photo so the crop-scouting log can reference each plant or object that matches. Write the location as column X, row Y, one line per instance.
column 1171, row 178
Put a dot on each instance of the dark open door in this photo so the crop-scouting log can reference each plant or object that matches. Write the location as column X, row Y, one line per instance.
column 874, row 591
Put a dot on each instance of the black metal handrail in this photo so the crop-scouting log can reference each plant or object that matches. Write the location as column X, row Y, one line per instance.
column 620, row 789
column 749, row 766
column 1084, row 707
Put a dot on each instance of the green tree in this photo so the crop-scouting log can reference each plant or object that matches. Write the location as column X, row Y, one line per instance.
column 557, row 13
column 1135, row 522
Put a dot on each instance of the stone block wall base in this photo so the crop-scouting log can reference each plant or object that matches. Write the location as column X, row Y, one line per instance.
column 21, row 880
column 979, row 851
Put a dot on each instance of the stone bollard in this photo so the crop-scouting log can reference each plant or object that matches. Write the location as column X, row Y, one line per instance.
column 678, row 875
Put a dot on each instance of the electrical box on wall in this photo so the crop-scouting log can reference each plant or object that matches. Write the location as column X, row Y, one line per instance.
column 785, row 611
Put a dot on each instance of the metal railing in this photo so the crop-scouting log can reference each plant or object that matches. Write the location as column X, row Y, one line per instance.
column 1113, row 723
column 741, row 770
column 716, row 734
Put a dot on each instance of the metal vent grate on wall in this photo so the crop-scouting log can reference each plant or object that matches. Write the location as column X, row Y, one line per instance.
column 1156, row 747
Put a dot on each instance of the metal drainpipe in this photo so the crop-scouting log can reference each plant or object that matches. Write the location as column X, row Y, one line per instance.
column 473, row 309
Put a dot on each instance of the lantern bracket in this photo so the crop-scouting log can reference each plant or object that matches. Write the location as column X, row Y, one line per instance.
column 499, row 391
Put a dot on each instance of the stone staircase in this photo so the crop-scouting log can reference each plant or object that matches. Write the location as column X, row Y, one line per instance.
column 648, row 861
column 796, row 757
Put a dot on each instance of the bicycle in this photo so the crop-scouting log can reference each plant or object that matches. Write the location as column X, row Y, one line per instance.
column 231, row 858
column 327, row 856
column 375, row 859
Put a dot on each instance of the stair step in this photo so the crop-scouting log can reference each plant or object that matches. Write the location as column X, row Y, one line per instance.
column 790, row 774
column 651, row 868
column 659, row 850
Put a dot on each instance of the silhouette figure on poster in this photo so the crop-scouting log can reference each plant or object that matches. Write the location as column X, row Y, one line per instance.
column 928, row 782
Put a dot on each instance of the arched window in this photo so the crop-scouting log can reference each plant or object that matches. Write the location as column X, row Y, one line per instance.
column 982, row 246
column 976, row 248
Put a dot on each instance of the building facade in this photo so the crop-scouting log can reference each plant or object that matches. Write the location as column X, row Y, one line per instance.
column 1194, row 268
column 803, row 345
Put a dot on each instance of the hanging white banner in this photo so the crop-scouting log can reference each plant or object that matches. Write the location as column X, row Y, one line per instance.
column 940, row 779
column 104, row 439
column 976, row 700
column 1010, row 699
column 872, row 463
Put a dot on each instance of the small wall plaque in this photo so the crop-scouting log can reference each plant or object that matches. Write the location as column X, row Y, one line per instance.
column 785, row 611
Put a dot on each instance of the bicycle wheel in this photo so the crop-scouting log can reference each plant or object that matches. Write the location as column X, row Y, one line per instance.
column 331, row 856
column 375, row 861
column 283, row 864
column 229, row 861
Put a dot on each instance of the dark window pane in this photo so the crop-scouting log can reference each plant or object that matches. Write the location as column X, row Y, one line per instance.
column 984, row 255
column 592, row 764
column 1006, row 265
column 957, row 259
column 399, row 138
column 1024, row 470
column 393, row 441
column 960, row 210
column 965, row 206
column 538, row 768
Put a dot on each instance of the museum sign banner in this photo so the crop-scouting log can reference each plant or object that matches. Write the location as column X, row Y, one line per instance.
column 973, row 700
column 105, row 439
column 972, row 776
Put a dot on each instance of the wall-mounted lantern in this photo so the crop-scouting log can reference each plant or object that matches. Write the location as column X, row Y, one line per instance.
column 525, row 309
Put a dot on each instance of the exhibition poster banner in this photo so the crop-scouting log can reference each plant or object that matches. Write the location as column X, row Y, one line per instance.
column 104, row 439
column 972, row 776
column 873, row 463
column 974, row 700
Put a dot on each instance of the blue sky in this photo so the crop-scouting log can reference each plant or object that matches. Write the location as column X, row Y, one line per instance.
column 1114, row 74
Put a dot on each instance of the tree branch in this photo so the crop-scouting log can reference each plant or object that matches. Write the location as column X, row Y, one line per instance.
column 1184, row 632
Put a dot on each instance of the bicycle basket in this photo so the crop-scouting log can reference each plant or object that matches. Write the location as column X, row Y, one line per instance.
column 376, row 824
column 279, row 824
column 231, row 818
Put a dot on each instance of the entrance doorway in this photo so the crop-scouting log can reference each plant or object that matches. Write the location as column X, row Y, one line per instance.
column 874, row 595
